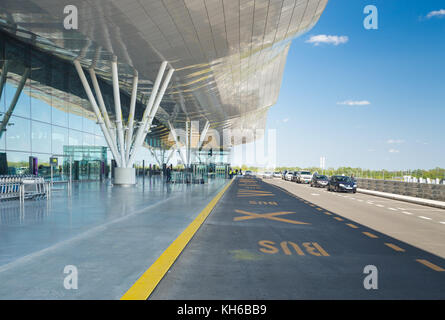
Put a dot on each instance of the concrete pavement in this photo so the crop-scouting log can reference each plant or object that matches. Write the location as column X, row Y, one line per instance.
column 111, row 235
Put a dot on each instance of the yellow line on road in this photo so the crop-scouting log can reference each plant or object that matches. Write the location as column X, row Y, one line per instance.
column 338, row 218
column 145, row 285
column 369, row 234
column 393, row 246
column 328, row 213
column 352, row 225
column 430, row 265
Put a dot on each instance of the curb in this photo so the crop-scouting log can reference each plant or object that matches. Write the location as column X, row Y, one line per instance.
column 421, row 201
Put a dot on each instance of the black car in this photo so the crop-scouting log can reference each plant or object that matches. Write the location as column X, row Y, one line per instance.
column 342, row 183
column 319, row 180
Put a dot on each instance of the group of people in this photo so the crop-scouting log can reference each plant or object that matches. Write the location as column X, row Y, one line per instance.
column 234, row 172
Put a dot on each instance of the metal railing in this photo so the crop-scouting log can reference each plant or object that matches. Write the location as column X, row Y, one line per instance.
column 23, row 187
column 189, row 177
column 419, row 190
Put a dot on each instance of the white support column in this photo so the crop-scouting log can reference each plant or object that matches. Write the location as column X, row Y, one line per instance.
column 172, row 152
column 202, row 137
column 118, row 110
column 5, row 68
column 155, row 156
column 175, row 137
column 103, row 109
column 203, row 134
column 96, row 110
column 144, row 128
column 129, row 134
column 14, row 100
column 147, row 111
column 188, row 138
column 159, row 98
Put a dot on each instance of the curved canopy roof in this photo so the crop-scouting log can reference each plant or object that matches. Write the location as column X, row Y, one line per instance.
column 229, row 55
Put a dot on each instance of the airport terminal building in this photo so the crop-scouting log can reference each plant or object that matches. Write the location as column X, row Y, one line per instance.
column 152, row 81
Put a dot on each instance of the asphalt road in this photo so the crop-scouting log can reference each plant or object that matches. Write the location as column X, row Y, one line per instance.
column 417, row 225
column 264, row 242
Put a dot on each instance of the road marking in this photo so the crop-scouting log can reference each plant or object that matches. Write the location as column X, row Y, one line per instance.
column 313, row 248
column 315, row 194
column 430, row 265
column 380, row 205
column 360, row 200
column 271, row 203
column 338, row 218
column 406, row 212
column 392, row 209
column 269, row 216
column 253, row 193
column 393, row 246
column 352, row 225
column 145, row 285
column 369, row 234
column 442, row 222
column 328, row 213
column 319, row 209
column 426, row 218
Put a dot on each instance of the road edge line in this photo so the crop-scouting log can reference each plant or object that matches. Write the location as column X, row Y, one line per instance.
column 147, row 282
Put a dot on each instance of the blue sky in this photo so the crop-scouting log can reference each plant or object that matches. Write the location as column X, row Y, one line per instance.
column 399, row 69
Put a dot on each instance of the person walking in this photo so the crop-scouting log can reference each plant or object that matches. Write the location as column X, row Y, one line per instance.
column 169, row 174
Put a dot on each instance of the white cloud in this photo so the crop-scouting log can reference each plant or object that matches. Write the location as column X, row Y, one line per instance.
column 323, row 38
column 355, row 103
column 395, row 141
column 438, row 13
column 285, row 120
column 393, row 151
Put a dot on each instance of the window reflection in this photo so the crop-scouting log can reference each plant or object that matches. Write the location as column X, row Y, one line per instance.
column 75, row 138
column 40, row 110
column 18, row 134
column 59, row 139
column 41, row 137
column 22, row 108
column 59, row 117
column 51, row 115
column 18, row 162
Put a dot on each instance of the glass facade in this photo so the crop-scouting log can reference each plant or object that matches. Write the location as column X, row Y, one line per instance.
column 46, row 121
column 53, row 115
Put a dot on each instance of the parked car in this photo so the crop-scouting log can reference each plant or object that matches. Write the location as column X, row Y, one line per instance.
column 342, row 183
column 283, row 175
column 288, row 176
column 248, row 173
column 319, row 180
column 267, row 175
column 304, row 177
column 277, row 174
column 295, row 176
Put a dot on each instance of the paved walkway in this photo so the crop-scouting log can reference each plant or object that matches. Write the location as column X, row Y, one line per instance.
column 110, row 234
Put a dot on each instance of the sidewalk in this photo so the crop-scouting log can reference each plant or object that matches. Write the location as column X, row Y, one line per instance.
column 110, row 234
column 425, row 202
